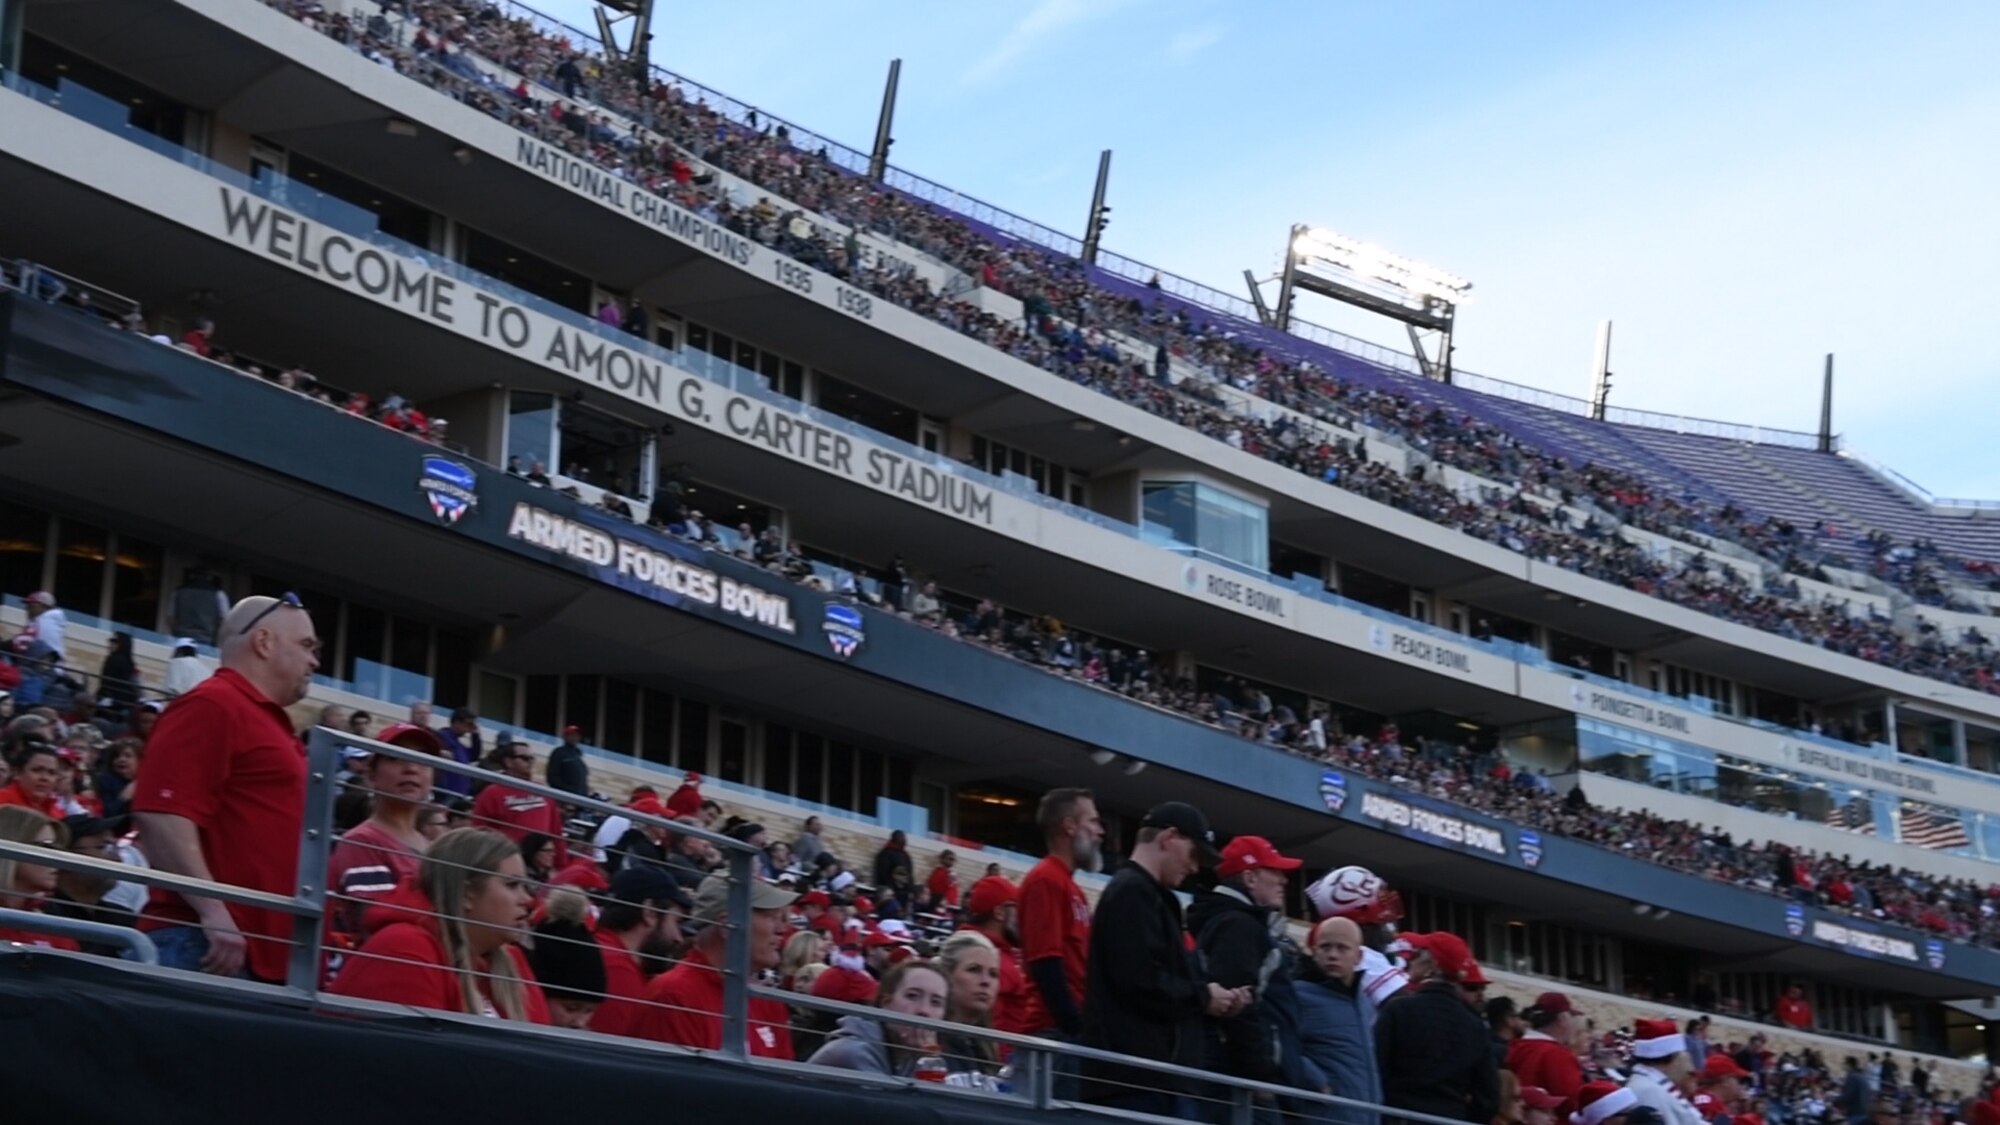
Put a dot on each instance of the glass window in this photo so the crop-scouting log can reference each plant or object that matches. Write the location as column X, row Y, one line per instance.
column 692, row 753
column 657, row 721
column 811, row 768
column 840, row 775
column 135, row 582
column 410, row 646
column 531, row 430
column 499, row 698
column 539, row 712
column 733, row 742
column 777, row 758
column 580, row 703
column 621, row 716
column 79, row 585
column 367, row 633
column 602, row 449
column 454, row 669
column 1219, row 523
column 24, row 542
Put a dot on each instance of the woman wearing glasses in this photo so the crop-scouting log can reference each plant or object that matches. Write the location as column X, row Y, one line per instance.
column 27, row 886
column 451, row 940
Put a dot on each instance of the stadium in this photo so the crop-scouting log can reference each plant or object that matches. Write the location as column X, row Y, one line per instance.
column 551, row 402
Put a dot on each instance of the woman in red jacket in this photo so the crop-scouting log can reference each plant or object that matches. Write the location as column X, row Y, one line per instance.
column 450, row 940
column 26, row 886
column 37, row 772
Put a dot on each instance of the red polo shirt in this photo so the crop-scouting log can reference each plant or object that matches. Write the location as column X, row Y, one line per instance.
column 684, row 1005
column 516, row 812
column 225, row 757
column 1055, row 922
column 624, row 988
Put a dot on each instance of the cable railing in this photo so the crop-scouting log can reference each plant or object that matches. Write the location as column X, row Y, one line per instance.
column 1035, row 1066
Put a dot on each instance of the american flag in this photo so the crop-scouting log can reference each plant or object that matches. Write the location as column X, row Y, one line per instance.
column 1855, row 816
column 1934, row 827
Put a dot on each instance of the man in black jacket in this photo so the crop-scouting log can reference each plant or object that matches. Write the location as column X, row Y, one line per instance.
column 1141, row 993
column 1239, row 934
column 1432, row 1050
column 567, row 770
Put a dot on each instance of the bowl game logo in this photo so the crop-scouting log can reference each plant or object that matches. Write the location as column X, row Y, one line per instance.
column 1795, row 920
column 1530, row 845
column 451, row 488
column 843, row 628
column 1934, row 953
column 1333, row 790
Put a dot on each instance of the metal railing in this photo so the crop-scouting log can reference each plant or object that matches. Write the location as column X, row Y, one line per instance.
column 1036, row 1062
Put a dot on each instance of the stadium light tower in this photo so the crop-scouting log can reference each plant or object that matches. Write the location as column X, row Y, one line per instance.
column 634, row 53
column 1425, row 299
column 1100, row 212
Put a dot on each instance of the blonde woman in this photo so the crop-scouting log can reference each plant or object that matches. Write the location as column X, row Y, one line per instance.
column 450, row 940
column 27, row 886
column 807, row 947
column 971, row 964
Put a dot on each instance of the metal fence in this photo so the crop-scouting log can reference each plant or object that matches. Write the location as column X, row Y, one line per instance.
column 1039, row 1071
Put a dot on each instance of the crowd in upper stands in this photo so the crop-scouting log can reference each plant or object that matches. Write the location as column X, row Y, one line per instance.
column 1451, row 771
column 662, row 140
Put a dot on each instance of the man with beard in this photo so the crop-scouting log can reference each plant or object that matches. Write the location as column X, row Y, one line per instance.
column 992, row 908
column 1055, row 917
column 639, row 929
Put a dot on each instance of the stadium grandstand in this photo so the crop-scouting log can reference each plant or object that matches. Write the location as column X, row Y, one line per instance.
column 749, row 624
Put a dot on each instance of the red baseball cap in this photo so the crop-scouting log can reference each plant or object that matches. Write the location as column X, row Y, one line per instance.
column 1448, row 950
column 650, row 806
column 1474, row 975
column 410, row 736
column 1538, row 1098
column 815, row 898
column 1245, row 852
column 990, row 894
column 1554, row 1003
column 1720, row 1066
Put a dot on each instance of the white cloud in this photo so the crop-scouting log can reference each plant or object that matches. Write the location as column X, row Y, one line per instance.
column 1046, row 18
column 1193, row 41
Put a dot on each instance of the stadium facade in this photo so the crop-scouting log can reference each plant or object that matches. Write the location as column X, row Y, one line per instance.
column 341, row 214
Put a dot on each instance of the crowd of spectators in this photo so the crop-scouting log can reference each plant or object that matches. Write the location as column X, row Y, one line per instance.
column 665, row 141
column 495, row 899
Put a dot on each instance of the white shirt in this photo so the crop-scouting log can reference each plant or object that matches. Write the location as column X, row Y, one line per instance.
column 1384, row 978
column 184, row 673
column 1653, row 1088
column 48, row 629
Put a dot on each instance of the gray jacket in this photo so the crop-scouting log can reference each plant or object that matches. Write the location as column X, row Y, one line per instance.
column 857, row 1044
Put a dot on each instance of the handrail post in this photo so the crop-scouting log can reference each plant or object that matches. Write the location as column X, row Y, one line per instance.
column 302, row 971
column 736, row 955
column 1037, row 1077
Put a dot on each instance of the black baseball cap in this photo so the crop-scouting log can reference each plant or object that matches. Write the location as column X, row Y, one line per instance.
column 85, row 825
column 641, row 882
column 1188, row 821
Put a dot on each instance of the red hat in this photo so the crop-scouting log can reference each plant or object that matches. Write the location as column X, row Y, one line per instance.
column 1720, row 1066
column 572, row 729
column 989, row 895
column 1538, row 1098
column 410, row 736
column 1657, row 1039
column 1598, row 1102
column 1448, row 950
column 584, row 874
column 690, row 778
column 863, row 905
column 1474, row 975
column 876, row 939
column 815, row 898
column 1246, row 852
column 1554, row 1003
column 650, row 806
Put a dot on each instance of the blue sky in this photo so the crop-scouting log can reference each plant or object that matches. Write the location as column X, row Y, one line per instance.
column 1742, row 188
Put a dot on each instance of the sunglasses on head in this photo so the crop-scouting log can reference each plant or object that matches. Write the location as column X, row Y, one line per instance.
column 290, row 599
